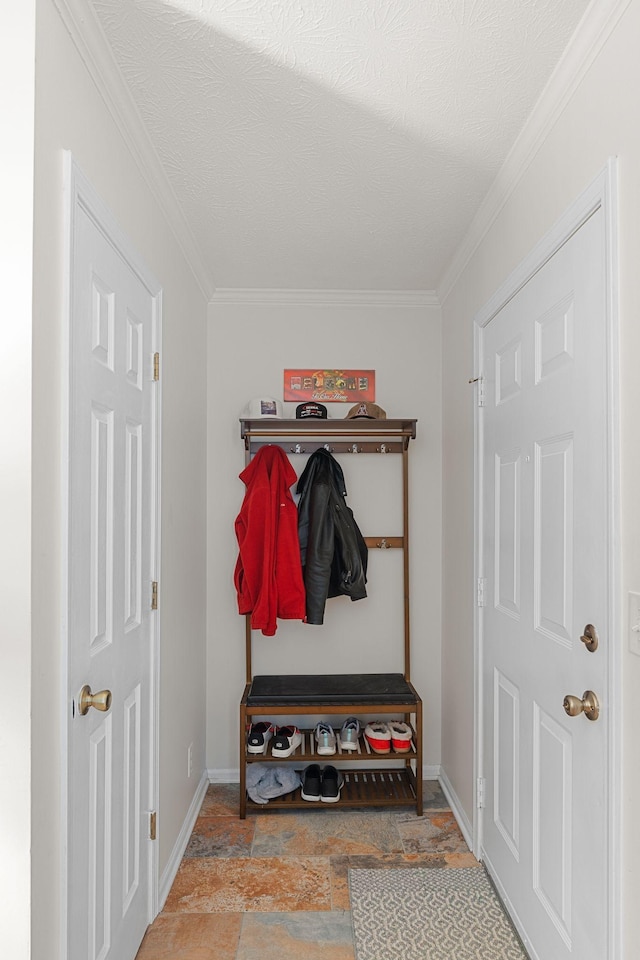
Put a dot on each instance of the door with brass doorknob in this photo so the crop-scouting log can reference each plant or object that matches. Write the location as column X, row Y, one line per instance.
column 110, row 619
column 543, row 627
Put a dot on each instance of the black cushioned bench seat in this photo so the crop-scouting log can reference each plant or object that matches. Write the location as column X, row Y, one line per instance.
column 303, row 689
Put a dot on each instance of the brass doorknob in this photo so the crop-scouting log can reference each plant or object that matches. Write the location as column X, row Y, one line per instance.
column 101, row 700
column 589, row 705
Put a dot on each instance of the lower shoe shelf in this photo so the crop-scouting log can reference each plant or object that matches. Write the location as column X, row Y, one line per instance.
column 361, row 787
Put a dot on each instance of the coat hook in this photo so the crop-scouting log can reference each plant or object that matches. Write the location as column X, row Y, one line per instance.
column 354, row 448
column 328, row 447
column 297, row 449
column 383, row 544
column 383, row 448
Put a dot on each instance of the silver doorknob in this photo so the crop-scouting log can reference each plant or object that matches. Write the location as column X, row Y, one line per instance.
column 589, row 705
column 101, row 700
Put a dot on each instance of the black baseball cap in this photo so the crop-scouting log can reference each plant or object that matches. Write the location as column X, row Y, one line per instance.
column 311, row 409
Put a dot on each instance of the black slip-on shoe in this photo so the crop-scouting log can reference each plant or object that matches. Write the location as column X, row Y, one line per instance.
column 311, row 782
column 332, row 782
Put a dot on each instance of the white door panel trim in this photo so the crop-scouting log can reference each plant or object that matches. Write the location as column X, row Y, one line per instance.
column 79, row 195
column 601, row 194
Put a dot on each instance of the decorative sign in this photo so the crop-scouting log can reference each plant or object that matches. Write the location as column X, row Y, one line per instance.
column 329, row 386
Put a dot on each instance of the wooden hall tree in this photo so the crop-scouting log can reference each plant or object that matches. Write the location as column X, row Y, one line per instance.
column 397, row 778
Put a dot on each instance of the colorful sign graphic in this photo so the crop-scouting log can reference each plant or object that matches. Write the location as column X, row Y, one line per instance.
column 329, row 386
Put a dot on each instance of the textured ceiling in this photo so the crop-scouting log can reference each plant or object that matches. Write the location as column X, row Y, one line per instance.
column 334, row 144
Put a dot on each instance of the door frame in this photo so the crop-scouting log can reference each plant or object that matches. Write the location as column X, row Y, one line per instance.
column 600, row 194
column 79, row 194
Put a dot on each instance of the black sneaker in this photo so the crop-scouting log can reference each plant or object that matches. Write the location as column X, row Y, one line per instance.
column 332, row 782
column 311, row 782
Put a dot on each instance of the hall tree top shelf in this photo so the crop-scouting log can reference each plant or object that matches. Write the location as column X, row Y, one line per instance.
column 370, row 433
column 339, row 695
column 310, row 427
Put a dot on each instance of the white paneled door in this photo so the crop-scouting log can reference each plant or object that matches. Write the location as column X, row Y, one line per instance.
column 111, row 568
column 545, row 564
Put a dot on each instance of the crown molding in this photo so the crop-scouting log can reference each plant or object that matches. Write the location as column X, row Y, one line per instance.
column 87, row 35
column 591, row 34
column 407, row 298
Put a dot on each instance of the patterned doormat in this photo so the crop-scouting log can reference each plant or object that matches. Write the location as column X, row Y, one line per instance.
column 430, row 914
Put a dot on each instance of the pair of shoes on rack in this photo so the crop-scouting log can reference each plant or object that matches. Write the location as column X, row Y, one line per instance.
column 381, row 735
column 321, row 784
column 326, row 739
column 285, row 739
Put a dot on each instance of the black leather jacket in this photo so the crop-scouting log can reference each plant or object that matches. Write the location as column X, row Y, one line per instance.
column 333, row 551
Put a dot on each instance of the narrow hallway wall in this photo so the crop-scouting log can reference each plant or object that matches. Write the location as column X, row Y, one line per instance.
column 71, row 114
column 250, row 345
column 17, row 81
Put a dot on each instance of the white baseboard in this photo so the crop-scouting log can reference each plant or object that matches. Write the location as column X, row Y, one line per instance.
column 431, row 771
column 224, row 776
column 171, row 869
column 456, row 808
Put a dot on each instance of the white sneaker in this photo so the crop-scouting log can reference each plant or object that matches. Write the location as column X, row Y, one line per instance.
column 401, row 734
column 259, row 736
column 325, row 739
column 378, row 736
column 285, row 741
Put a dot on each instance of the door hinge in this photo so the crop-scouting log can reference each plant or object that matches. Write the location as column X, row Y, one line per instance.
column 480, row 591
column 481, row 392
column 154, row 595
column 152, row 825
column 156, row 366
column 480, row 792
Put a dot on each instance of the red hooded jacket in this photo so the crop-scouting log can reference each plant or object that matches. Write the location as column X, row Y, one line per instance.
column 268, row 574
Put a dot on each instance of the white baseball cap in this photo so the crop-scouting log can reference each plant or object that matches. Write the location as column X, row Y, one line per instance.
column 264, row 408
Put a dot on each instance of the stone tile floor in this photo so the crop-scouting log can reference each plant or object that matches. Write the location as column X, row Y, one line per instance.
column 275, row 886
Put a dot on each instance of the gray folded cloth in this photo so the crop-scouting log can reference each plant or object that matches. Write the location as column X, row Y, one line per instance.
column 266, row 780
